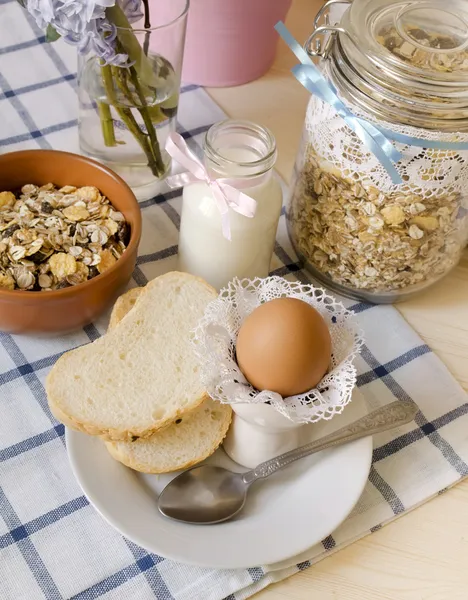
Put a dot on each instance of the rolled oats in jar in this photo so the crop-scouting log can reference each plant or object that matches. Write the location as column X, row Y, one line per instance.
column 406, row 72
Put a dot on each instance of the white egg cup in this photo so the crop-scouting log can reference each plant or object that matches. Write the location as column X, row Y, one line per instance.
column 259, row 432
column 266, row 425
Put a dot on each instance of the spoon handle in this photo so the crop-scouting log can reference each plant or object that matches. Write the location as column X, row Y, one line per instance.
column 390, row 416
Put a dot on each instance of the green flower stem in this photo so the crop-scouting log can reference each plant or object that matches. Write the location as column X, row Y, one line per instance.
column 132, row 46
column 147, row 120
column 142, row 76
column 107, row 123
column 130, row 121
column 120, row 75
column 127, row 117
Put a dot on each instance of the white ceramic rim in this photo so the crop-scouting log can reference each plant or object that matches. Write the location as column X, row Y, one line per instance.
column 272, row 554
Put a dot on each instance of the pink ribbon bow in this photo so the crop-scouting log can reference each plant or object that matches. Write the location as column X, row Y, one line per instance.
column 225, row 191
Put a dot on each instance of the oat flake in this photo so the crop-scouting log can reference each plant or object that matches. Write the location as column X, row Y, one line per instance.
column 50, row 238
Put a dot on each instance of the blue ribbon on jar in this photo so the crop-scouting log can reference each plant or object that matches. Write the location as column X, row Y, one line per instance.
column 377, row 139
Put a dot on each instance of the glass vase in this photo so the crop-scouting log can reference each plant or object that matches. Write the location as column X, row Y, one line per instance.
column 126, row 112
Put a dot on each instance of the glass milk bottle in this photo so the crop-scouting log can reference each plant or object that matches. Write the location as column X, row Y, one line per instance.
column 244, row 152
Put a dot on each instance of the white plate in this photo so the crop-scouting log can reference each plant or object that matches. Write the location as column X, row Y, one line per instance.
column 284, row 515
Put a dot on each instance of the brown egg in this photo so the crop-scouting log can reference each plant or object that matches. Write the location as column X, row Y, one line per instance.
column 284, row 346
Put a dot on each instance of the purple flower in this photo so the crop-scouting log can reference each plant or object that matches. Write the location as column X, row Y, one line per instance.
column 68, row 16
column 99, row 38
column 83, row 23
column 42, row 11
column 132, row 10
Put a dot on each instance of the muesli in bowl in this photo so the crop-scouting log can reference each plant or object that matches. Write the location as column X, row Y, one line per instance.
column 67, row 249
column 52, row 238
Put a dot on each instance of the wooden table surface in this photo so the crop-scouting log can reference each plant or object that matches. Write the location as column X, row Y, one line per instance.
column 424, row 554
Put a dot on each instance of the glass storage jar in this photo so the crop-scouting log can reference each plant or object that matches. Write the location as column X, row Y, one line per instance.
column 403, row 66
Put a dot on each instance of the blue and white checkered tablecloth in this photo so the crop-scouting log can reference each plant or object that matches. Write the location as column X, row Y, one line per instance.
column 53, row 544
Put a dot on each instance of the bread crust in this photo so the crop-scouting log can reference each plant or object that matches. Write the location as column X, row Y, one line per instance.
column 123, row 306
column 126, row 459
column 118, row 435
column 107, row 433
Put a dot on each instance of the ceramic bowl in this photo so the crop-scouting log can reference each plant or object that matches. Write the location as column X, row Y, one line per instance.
column 68, row 309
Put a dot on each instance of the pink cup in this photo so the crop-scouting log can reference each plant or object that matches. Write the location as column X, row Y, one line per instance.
column 230, row 42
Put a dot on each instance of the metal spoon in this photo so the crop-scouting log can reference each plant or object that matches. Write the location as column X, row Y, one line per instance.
column 209, row 494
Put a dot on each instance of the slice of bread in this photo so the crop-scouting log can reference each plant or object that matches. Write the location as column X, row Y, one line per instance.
column 123, row 305
column 142, row 375
column 193, row 437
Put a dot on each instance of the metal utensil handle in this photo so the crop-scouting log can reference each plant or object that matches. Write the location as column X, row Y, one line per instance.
column 382, row 419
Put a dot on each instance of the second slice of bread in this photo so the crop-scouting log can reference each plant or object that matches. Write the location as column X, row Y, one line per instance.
column 123, row 305
column 191, row 439
column 142, row 375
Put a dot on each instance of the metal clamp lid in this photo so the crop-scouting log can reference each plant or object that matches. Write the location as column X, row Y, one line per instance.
column 318, row 43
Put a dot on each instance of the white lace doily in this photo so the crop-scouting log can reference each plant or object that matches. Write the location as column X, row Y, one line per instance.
column 425, row 172
column 215, row 340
